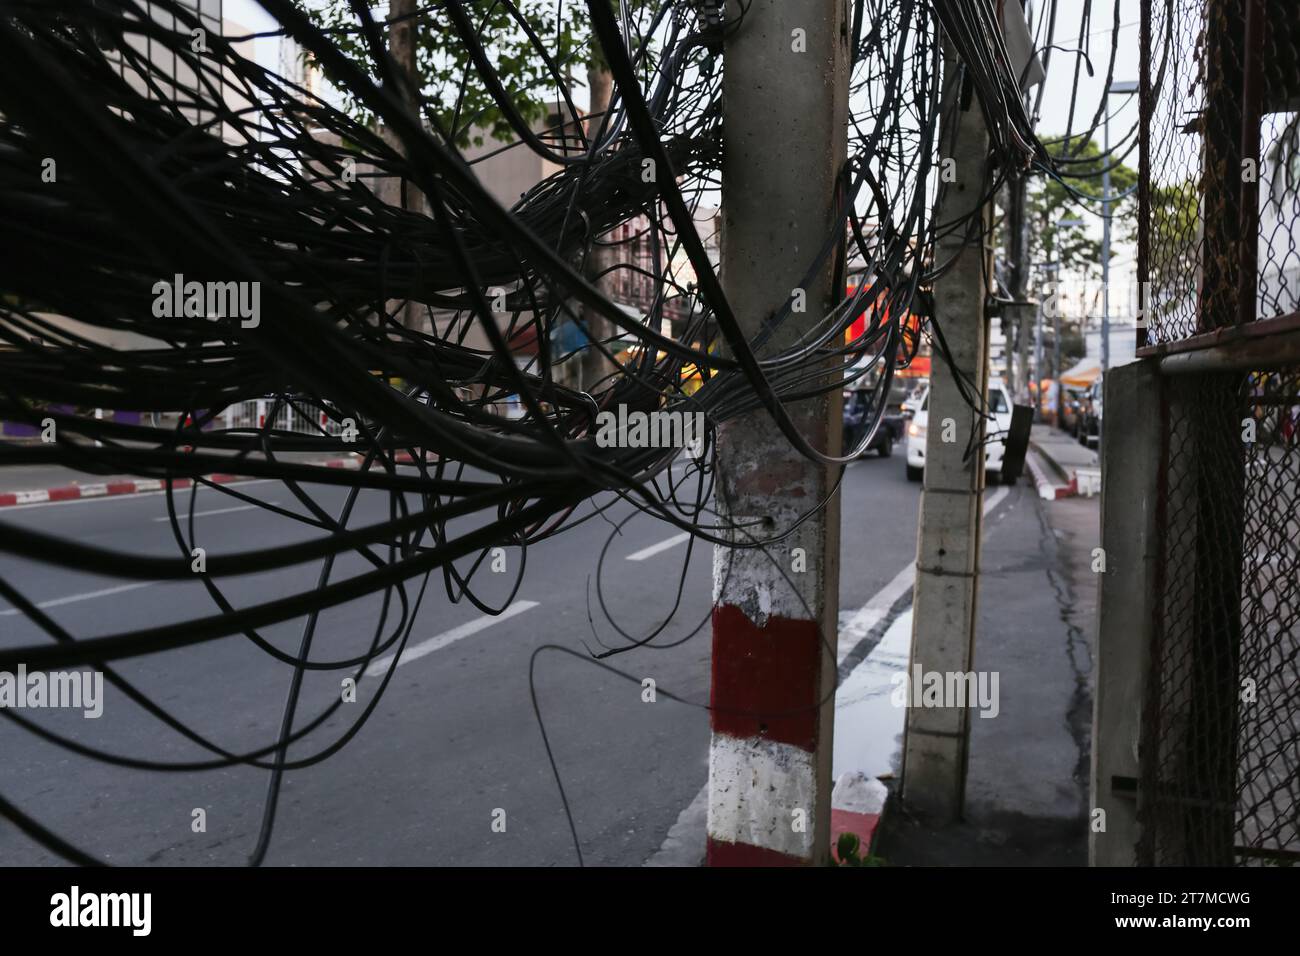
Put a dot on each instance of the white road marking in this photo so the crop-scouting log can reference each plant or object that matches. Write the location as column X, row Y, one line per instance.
column 184, row 515
column 654, row 549
column 855, row 625
column 415, row 651
column 88, row 596
column 996, row 499
column 690, row 831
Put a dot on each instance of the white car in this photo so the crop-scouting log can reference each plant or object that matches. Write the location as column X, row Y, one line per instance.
column 995, row 432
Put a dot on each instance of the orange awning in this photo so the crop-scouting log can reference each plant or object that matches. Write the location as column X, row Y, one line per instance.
column 1081, row 377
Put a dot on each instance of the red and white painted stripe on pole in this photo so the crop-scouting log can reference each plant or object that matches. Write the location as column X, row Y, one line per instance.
column 765, row 733
column 770, row 675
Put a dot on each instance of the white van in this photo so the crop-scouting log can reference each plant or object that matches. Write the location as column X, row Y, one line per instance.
column 995, row 432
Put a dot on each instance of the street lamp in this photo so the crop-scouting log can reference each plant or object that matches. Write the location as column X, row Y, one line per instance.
column 1118, row 88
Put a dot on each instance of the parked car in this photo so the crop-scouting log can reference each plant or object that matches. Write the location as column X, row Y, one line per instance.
column 995, row 432
column 1071, row 415
column 895, row 416
column 858, row 415
column 913, row 400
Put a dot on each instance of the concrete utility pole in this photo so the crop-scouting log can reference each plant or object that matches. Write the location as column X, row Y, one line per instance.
column 785, row 105
column 1105, row 246
column 1056, row 366
column 948, row 539
column 402, row 41
column 1038, row 363
column 1019, row 314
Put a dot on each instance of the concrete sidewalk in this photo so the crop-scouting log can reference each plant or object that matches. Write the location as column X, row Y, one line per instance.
column 1060, row 466
column 1026, row 793
column 1062, row 453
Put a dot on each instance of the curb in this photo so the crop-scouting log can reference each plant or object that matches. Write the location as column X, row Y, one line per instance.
column 1047, row 490
column 137, row 486
column 857, row 806
column 1050, row 460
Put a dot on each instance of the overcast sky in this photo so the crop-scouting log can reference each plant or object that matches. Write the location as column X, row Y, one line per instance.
column 1060, row 80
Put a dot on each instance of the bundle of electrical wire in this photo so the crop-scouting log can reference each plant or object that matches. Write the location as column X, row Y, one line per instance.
column 221, row 170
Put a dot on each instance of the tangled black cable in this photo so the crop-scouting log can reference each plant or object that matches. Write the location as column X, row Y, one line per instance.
column 218, row 170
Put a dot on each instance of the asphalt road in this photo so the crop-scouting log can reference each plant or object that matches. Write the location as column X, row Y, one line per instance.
column 454, row 739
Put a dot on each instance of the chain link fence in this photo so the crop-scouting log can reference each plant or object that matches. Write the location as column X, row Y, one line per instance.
column 1170, row 186
column 1219, row 249
column 1220, row 750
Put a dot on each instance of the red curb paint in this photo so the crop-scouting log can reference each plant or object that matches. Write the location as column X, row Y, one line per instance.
column 721, row 853
column 1042, row 482
column 765, row 679
column 119, row 488
column 862, row 825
